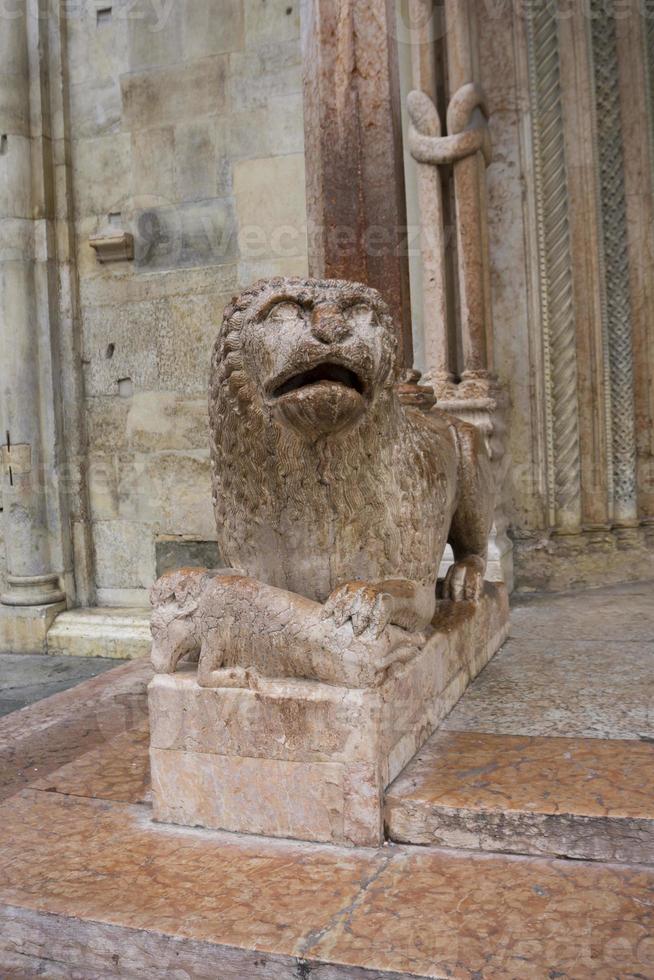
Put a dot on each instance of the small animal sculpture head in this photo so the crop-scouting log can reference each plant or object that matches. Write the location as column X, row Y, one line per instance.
column 314, row 356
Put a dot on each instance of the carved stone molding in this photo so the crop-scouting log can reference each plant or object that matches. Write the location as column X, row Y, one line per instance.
column 617, row 303
column 555, row 278
column 648, row 44
column 467, row 124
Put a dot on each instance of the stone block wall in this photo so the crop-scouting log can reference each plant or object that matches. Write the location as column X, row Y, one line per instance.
column 186, row 130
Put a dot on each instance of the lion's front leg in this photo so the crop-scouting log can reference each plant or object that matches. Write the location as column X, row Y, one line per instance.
column 371, row 606
column 365, row 604
column 464, row 581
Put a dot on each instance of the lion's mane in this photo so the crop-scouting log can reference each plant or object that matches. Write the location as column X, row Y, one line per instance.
column 269, row 483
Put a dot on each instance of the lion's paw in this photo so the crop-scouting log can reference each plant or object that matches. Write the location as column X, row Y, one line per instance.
column 464, row 580
column 367, row 606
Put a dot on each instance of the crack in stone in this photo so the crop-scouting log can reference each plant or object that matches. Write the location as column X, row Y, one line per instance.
column 343, row 917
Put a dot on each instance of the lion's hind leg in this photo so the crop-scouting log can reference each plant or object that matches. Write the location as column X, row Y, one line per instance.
column 473, row 517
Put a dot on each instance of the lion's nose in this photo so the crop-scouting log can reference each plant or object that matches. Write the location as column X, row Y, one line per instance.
column 329, row 328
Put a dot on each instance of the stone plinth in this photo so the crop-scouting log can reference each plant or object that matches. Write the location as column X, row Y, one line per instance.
column 24, row 629
column 302, row 759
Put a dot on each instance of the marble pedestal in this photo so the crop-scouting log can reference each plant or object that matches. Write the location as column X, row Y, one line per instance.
column 308, row 760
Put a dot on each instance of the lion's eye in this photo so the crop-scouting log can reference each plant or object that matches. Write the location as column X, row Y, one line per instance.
column 360, row 312
column 285, row 310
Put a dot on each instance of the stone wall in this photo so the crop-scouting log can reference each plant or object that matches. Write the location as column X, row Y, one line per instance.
column 186, row 130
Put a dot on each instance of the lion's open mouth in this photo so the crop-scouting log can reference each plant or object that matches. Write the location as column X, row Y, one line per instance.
column 334, row 373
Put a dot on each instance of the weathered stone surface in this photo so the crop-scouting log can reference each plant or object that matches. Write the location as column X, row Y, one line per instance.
column 245, row 795
column 578, row 798
column 104, row 181
column 117, row 633
column 166, row 95
column 250, row 271
column 161, row 420
column 274, row 20
column 97, row 106
column 147, row 347
column 16, row 193
column 196, row 164
column 264, row 73
column 269, row 226
column 24, row 629
column 189, row 234
column 124, row 555
column 275, row 128
column 153, row 166
column 549, row 700
column 155, row 36
column 173, row 552
column 117, row 769
column 295, row 721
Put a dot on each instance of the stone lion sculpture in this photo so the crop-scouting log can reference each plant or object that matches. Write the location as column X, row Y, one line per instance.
column 334, row 500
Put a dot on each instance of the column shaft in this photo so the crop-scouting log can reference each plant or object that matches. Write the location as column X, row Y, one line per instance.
column 30, row 576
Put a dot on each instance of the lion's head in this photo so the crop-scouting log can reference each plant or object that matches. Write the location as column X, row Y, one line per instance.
column 316, row 354
column 302, row 390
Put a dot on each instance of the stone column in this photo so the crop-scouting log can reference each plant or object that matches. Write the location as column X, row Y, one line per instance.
column 439, row 350
column 474, row 394
column 25, row 366
column 467, row 111
column 353, row 141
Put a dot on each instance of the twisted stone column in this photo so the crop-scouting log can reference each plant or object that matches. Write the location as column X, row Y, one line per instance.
column 31, row 580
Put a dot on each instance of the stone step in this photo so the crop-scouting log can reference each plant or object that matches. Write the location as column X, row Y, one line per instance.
column 98, row 887
column 90, row 886
column 121, row 633
column 571, row 797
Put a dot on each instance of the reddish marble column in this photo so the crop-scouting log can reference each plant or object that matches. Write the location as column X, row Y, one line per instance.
column 353, row 140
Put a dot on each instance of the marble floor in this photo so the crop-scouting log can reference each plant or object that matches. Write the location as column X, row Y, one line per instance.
column 26, row 679
column 574, row 665
column 90, row 886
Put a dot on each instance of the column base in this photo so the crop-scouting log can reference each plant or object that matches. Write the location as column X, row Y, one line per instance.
column 32, row 590
column 24, row 629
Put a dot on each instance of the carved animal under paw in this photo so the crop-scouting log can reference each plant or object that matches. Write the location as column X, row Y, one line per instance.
column 333, row 499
